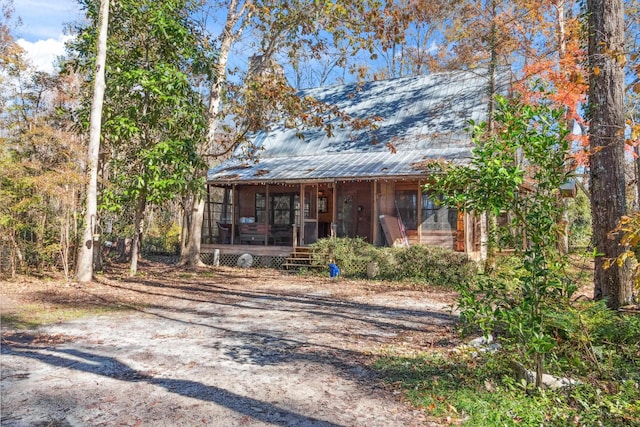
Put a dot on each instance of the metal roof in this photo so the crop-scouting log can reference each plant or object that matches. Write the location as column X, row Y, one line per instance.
column 423, row 117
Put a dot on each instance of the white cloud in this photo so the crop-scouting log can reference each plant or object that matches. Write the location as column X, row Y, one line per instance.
column 43, row 53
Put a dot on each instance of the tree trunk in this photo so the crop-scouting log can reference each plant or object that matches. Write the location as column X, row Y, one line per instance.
column 191, row 250
column 137, row 231
column 185, row 227
column 84, row 269
column 560, row 29
column 606, row 137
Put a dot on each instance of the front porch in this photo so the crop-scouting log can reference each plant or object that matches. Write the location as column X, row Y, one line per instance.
column 266, row 219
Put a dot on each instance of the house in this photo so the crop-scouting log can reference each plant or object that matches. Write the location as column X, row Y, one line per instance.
column 303, row 185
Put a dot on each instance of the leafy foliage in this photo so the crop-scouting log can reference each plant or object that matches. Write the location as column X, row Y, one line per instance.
column 579, row 216
column 629, row 229
column 39, row 166
column 480, row 390
column 593, row 345
column 517, row 170
column 154, row 119
column 350, row 254
column 429, row 264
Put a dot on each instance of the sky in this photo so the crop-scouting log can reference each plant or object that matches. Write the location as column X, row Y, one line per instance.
column 42, row 31
column 42, row 36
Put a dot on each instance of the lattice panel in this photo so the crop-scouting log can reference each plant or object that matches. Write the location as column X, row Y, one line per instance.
column 263, row 261
column 354, row 268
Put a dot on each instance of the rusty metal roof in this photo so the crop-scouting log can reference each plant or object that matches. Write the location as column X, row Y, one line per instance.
column 423, row 117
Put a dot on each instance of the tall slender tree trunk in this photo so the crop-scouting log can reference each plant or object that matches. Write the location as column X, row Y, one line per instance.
column 560, row 28
column 606, row 137
column 84, row 268
column 191, row 250
column 137, row 232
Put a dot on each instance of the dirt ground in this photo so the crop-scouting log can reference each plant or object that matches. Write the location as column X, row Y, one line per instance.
column 217, row 347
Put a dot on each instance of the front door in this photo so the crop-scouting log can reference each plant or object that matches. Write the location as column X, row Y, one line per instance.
column 309, row 230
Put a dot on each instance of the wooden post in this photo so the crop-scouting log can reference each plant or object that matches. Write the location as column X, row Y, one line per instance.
column 295, row 235
column 233, row 213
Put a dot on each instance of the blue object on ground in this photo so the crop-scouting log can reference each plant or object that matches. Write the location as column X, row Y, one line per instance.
column 334, row 270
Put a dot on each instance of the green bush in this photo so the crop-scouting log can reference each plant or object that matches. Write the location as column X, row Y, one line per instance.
column 162, row 240
column 426, row 264
column 592, row 338
column 482, row 390
column 579, row 212
column 351, row 254
column 433, row 265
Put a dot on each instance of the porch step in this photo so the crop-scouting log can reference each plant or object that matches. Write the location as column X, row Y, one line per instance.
column 301, row 257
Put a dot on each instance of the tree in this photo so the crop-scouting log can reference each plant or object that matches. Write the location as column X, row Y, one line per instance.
column 39, row 164
column 282, row 27
column 527, row 191
column 238, row 12
column 84, row 268
column 607, row 141
column 154, row 117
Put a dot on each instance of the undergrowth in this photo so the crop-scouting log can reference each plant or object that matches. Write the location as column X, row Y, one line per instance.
column 597, row 347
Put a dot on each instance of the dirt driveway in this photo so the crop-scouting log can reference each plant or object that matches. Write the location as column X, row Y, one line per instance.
column 223, row 347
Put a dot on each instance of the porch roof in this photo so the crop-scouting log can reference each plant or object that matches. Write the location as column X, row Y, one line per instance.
column 336, row 166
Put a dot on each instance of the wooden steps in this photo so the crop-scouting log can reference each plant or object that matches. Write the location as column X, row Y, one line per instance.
column 301, row 257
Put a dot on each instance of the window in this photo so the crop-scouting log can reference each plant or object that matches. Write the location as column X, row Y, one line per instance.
column 407, row 208
column 283, row 208
column 436, row 216
column 260, row 208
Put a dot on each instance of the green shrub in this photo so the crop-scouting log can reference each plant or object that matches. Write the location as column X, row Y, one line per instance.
column 592, row 338
column 482, row 390
column 162, row 240
column 426, row 264
column 433, row 265
column 351, row 254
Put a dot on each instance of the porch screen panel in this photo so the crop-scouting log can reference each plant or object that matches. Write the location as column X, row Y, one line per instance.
column 283, row 208
column 261, row 208
column 217, row 212
column 407, row 208
column 310, row 232
column 439, row 223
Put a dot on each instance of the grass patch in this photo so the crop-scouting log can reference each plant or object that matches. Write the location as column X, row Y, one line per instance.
column 32, row 316
column 483, row 391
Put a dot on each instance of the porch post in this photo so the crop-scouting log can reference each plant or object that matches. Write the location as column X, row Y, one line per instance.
column 294, row 229
column 301, row 215
column 233, row 212
column 334, row 210
column 419, row 201
column 208, row 211
column 266, row 214
column 374, row 212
